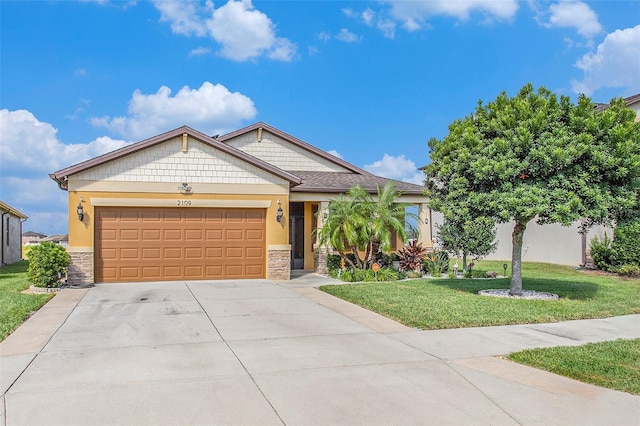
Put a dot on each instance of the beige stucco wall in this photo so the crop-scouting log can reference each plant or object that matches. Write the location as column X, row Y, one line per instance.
column 282, row 154
column 552, row 243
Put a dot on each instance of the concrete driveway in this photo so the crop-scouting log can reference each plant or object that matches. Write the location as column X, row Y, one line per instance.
column 264, row 352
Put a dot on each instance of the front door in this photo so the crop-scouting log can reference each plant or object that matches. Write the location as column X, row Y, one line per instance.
column 296, row 235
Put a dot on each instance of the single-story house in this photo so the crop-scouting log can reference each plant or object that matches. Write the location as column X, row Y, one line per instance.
column 11, row 231
column 32, row 238
column 187, row 206
column 60, row 239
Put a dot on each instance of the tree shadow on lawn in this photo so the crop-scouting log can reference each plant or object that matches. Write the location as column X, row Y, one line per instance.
column 563, row 288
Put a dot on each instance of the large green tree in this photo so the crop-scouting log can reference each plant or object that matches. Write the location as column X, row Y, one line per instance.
column 536, row 157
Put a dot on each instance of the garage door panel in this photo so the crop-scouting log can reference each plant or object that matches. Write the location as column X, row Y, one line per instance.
column 172, row 272
column 254, row 271
column 233, row 253
column 130, row 234
column 193, row 235
column 214, row 253
column 151, row 272
column 193, row 253
column 173, row 215
column 193, row 272
column 130, row 216
column 155, row 244
column 108, row 235
column 213, row 234
column 151, row 235
column 151, row 215
column 172, row 253
column 254, row 234
column 172, row 234
column 130, row 254
column 234, row 234
column 254, row 253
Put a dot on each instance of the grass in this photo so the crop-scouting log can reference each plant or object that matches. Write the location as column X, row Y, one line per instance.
column 16, row 307
column 614, row 364
column 453, row 303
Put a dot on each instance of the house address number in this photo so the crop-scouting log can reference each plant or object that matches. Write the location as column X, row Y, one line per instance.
column 184, row 203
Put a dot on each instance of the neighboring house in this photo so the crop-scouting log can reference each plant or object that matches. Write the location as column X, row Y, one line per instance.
column 184, row 205
column 32, row 238
column 11, row 229
column 59, row 239
column 633, row 102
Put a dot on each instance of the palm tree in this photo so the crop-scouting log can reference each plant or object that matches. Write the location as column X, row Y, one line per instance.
column 343, row 228
column 360, row 223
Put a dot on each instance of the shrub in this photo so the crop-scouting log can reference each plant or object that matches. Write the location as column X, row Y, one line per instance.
column 601, row 252
column 47, row 264
column 333, row 261
column 436, row 263
column 411, row 256
column 367, row 275
column 625, row 247
column 629, row 270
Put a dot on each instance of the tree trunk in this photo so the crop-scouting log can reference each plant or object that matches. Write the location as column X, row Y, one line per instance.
column 516, row 258
column 464, row 261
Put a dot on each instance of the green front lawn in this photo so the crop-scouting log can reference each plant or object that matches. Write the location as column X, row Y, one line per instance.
column 16, row 307
column 453, row 303
column 614, row 365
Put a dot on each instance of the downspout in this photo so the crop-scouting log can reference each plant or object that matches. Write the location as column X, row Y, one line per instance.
column 2, row 238
column 21, row 222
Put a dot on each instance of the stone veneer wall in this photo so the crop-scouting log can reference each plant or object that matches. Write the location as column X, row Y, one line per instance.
column 320, row 261
column 279, row 265
column 80, row 271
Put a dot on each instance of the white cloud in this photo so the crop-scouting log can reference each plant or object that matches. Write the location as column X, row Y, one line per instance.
column 184, row 16
column 211, row 109
column 30, row 150
column 387, row 26
column 413, row 14
column 324, row 36
column 367, row 16
column 81, row 72
column 199, row 51
column 244, row 32
column 28, row 145
column 335, row 153
column 574, row 14
column 398, row 168
column 372, row 19
column 615, row 63
column 347, row 36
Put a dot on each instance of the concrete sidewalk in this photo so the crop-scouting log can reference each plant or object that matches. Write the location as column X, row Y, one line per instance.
column 264, row 352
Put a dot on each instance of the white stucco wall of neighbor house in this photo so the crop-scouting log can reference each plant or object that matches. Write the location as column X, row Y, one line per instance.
column 552, row 243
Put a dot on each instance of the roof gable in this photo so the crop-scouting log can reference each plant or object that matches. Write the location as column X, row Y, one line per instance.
column 61, row 175
column 285, row 151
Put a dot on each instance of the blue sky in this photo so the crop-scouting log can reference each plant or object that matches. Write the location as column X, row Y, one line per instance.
column 370, row 81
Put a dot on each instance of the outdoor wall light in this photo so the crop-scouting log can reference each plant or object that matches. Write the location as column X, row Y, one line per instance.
column 80, row 210
column 279, row 213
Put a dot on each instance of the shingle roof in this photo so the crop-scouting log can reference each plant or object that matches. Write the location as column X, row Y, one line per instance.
column 630, row 101
column 333, row 182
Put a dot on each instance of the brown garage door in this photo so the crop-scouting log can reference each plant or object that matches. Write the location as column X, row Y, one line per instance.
column 163, row 244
